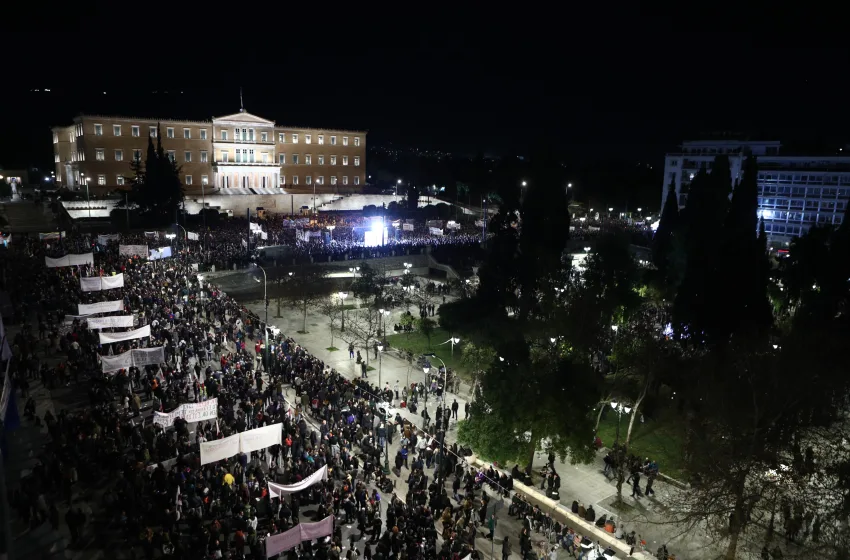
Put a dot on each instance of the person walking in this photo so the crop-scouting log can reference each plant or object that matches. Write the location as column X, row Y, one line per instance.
column 455, row 406
column 506, row 549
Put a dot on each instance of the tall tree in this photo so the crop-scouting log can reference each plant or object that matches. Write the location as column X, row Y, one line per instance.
column 662, row 242
column 155, row 187
column 305, row 289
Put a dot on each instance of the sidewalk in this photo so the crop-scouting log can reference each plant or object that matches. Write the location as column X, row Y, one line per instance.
column 583, row 483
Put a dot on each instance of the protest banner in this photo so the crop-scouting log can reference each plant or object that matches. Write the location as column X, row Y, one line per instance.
column 100, row 307
column 260, row 438
column 190, row 412
column 98, row 283
column 70, row 260
column 106, row 338
column 212, row 451
column 302, row 532
column 278, row 490
column 131, row 250
column 120, row 321
column 104, row 239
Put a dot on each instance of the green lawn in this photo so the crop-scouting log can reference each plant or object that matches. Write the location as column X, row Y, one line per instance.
column 418, row 344
column 659, row 439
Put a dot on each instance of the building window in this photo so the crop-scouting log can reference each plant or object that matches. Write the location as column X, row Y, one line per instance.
column 333, row 179
column 308, row 139
column 345, row 179
column 119, row 155
column 101, row 180
column 321, row 160
column 188, row 180
column 56, row 158
column 264, row 136
column 356, row 161
column 99, row 154
column 137, row 155
column 224, row 135
column 116, row 130
column 333, row 140
column 204, row 156
column 308, row 159
column 187, row 156
column 320, row 180
column 356, row 140
column 203, row 134
column 333, row 160
column 281, row 137
column 283, row 179
column 224, row 155
column 357, row 179
column 345, row 140
column 172, row 155
column 295, row 179
column 294, row 159
column 265, row 157
column 119, row 180
column 205, row 180
column 98, row 130
column 308, row 180
column 169, row 132
column 321, row 139
column 152, row 131
column 281, row 159
column 251, row 155
column 295, row 141
column 187, row 133
column 134, row 131
column 345, row 160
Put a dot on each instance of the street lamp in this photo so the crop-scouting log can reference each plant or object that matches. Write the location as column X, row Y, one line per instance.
column 443, row 403
column 88, row 200
column 619, row 408
column 587, row 249
column 342, row 296
column 397, row 183
column 380, row 361
column 454, row 340
column 266, row 304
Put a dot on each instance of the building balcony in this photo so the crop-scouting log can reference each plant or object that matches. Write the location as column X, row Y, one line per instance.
column 244, row 163
column 240, row 141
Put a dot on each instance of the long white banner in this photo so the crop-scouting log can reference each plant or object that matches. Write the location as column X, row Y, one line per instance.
column 100, row 307
column 260, row 438
column 190, row 412
column 192, row 236
column 212, row 451
column 302, row 532
column 106, row 338
column 139, row 357
column 69, row 260
column 278, row 490
column 120, row 321
column 161, row 253
column 97, row 283
column 130, row 250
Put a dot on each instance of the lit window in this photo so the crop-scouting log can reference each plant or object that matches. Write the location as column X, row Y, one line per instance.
column 357, row 179
column 224, row 155
column 264, row 136
column 333, row 179
column 308, row 180
column 152, row 131
column 187, row 133
column 188, row 180
column 56, row 158
column 98, row 130
column 119, row 155
column 333, row 160
column 321, row 160
column 356, row 140
column 203, row 134
column 187, row 156
column 265, row 157
column 320, row 180
column 169, row 132
column 295, row 179
column 251, row 155
column 204, row 156
column 345, row 160
column 137, row 155
column 172, row 155
column 119, row 179
column 345, row 179
column 205, row 180
column 345, row 140
column 99, row 154
column 333, row 140
column 281, row 159
column 308, row 159
column 281, row 138
column 307, row 139
column 356, row 160
column 224, row 135
column 294, row 141
column 101, row 179
column 321, row 139
column 283, row 179
column 294, row 159
column 134, row 131
column 116, row 130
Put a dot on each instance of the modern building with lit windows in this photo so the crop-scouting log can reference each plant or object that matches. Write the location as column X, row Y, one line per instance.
column 795, row 192
column 234, row 154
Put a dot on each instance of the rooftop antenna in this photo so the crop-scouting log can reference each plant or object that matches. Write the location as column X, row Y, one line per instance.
column 241, row 103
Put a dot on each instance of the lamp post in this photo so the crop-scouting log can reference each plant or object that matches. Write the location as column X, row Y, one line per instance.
column 443, row 404
column 342, row 296
column 522, row 191
column 454, row 340
column 266, row 304
column 88, row 200
column 380, row 362
column 397, row 183
column 619, row 408
column 382, row 323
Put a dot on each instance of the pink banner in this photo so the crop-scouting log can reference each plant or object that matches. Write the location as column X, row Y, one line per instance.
column 298, row 534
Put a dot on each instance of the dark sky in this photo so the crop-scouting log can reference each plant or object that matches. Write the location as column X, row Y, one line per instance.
column 630, row 91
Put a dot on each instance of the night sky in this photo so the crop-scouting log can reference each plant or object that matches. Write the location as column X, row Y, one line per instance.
column 630, row 93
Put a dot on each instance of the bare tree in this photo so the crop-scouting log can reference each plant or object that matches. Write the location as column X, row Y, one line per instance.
column 363, row 326
column 331, row 307
column 305, row 289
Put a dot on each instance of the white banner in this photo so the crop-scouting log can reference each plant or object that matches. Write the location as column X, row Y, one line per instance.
column 119, row 321
column 161, row 253
column 151, row 234
column 259, row 438
column 53, row 235
column 104, row 239
column 192, row 236
column 264, row 236
column 97, row 283
column 407, row 227
column 69, row 260
column 112, row 282
column 106, row 338
column 139, row 357
column 212, row 451
column 130, row 250
column 100, row 307
column 302, row 532
column 255, row 227
column 278, row 490
column 435, row 231
column 190, row 412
